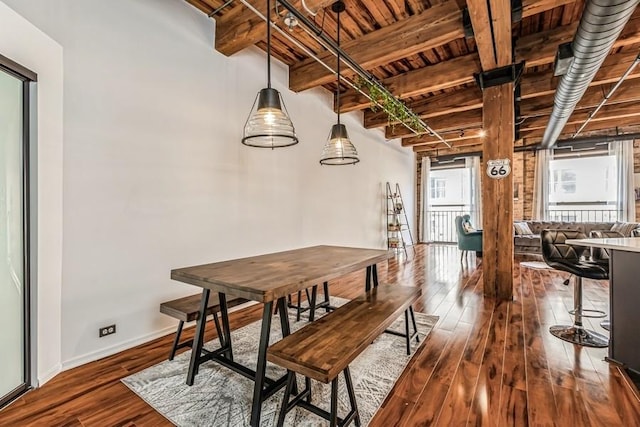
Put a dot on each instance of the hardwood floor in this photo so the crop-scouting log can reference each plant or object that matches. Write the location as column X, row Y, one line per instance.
column 485, row 363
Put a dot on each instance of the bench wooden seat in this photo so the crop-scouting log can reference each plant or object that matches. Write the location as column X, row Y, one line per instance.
column 326, row 347
column 187, row 309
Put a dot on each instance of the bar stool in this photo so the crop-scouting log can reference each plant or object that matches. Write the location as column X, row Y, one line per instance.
column 561, row 256
column 601, row 256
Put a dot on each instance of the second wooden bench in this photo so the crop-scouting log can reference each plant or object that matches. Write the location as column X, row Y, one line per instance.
column 187, row 309
column 324, row 348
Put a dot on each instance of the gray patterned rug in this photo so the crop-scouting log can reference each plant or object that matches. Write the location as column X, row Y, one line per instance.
column 221, row 397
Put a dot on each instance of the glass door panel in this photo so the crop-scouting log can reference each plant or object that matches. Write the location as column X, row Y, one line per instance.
column 12, row 284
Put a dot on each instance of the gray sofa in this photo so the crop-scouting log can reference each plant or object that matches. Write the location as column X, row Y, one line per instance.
column 525, row 243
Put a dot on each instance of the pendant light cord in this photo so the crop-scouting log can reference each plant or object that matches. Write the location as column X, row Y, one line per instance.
column 269, row 44
column 338, row 69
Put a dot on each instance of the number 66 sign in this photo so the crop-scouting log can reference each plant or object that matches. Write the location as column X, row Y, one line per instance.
column 498, row 168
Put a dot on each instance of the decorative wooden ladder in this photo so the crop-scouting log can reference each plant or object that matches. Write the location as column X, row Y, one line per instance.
column 398, row 231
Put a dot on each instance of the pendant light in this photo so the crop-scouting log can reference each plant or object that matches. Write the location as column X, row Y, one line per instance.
column 269, row 125
column 339, row 150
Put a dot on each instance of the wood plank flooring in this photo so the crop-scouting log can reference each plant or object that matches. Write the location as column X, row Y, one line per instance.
column 485, row 363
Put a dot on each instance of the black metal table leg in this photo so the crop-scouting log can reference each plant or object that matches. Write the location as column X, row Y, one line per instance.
column 325, row 288
column 256, row 406
column 226, row 329
column 367, row 281
column 312, row 302
column 284, row 326
column 198, row 339
column 375, row 275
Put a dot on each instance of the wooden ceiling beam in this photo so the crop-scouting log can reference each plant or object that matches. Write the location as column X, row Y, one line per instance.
column 241, row 27
column 601, row 125
column 434, row 27
column 472, row 126
column 629, row 91
column 471, row 119
column 537, row 49
column 450, row 137
column 445, row 74
column 535, row 100
column 481, row 21
column 455, row 147
column 607, row 113
column 420, row 81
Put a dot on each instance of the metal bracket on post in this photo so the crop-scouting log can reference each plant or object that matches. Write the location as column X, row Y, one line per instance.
column 498, row 76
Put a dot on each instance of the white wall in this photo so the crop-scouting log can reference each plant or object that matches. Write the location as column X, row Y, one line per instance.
column 155, row 176
column 30, row 47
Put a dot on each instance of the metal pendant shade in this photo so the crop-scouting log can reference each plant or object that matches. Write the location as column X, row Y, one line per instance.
column 269, row 125
column 339, row 150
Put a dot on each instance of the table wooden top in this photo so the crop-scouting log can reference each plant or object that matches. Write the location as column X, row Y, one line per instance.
column 268, row 277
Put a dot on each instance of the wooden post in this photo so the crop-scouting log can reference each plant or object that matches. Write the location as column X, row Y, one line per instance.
column 497, row 194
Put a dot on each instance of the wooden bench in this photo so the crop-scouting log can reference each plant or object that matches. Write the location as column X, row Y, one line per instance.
column 326, row 347
column 187, row 309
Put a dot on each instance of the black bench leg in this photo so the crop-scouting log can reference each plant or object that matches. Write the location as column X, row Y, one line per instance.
column 258, row 387
column 413, row 320
column 367, row 280
column 375, row 275
column 216, row 322
column 176, row 341
column 284, row 326
column 291, row 378
column 333, row 415
column 312, row 302
column 299, row 306
column 307, row 385
column 352, row 395
column 198, row 339
column 226, row 329
column 406, row 331
column 325, row 288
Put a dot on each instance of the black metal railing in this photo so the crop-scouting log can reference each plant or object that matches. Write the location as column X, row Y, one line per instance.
column 442, row 224
column 583, row 215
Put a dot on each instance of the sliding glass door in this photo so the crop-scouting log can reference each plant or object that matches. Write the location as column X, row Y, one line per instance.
column 14, row 283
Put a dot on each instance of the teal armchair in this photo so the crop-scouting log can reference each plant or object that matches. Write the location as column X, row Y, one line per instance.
column 468, row 240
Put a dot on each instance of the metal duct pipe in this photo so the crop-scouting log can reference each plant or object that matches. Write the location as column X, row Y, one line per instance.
column 600, row 26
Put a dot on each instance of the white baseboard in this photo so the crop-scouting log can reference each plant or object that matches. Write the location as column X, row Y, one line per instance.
column 125, row 345
column 43, row 378
column 109, row 351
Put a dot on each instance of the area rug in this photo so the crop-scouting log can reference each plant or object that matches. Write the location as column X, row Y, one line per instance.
column 221, row 397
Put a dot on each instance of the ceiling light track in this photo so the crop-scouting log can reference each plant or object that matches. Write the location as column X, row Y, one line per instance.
column 319, row 35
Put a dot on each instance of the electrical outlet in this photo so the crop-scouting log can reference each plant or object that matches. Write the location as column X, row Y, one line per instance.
column 106, row 330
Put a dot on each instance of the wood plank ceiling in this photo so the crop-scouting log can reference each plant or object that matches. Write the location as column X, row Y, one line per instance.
column 418, row 50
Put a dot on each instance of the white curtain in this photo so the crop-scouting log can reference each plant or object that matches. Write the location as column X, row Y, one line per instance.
column 475, row 190
column 425, row 203
column 541, row 184
column 626, row 202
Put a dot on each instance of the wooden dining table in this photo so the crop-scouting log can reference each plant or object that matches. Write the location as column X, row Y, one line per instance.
column 267, row 279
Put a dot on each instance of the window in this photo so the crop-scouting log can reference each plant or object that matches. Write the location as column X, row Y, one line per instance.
column 438, row 188
column 15, row 88
column 564, row 181
column 581, row 188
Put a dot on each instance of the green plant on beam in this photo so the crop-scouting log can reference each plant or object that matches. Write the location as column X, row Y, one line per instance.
column 395, row 109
